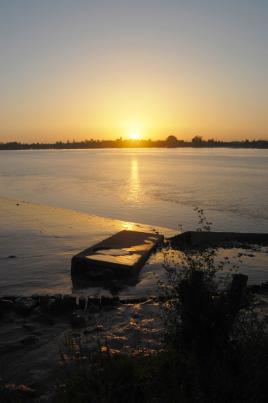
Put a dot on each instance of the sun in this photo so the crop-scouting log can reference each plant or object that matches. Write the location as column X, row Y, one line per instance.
column 135, row 136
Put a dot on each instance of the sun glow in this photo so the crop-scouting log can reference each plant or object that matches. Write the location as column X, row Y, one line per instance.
column 135, row 136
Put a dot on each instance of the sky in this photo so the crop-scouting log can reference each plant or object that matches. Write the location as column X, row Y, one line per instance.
column 110, row 68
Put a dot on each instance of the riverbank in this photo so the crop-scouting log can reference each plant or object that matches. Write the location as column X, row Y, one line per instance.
column 46, row 320
column 38, row 242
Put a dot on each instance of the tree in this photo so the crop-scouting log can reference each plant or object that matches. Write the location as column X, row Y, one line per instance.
column 171, row 141
column 197, row 139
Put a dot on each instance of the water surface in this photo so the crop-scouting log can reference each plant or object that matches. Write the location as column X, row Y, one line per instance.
column 152, row 186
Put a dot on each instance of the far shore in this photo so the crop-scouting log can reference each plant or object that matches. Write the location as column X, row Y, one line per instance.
column 169, row 142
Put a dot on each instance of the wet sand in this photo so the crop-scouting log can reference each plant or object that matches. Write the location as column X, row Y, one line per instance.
column 37, row 244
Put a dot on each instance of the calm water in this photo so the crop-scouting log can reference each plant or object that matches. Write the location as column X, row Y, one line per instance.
column 159, row 187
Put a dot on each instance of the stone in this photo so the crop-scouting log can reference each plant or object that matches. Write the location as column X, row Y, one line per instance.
column 44, row 301
column 6, row 305
column 24, row 306
column 82, row 303
column 62, row 305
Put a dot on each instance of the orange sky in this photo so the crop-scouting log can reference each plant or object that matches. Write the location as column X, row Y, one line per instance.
column 108, row 69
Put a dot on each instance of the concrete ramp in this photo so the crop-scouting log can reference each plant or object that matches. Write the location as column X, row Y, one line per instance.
column 120, row 256
column 197, row 239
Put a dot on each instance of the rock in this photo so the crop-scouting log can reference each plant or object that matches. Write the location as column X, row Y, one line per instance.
column 6, row 305
column 82, row 303
column 48, row 304
column 12, row 392
column 68, row 303
column 58, row 305
column 45, row 302
column 24, row 306
column 77, row 320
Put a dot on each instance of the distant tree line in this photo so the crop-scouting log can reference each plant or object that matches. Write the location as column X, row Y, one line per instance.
column 169, row 142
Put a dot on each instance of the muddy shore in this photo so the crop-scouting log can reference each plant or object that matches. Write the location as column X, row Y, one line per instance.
column 43, row 315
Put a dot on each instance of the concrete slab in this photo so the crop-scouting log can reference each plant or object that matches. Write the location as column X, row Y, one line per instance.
column 203, row 238
column 120, row 256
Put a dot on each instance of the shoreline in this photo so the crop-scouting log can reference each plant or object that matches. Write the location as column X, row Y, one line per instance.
column 140, row 144
column 38, row 242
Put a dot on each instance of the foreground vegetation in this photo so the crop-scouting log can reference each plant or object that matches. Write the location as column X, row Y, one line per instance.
column 216, row 346
column 239, row 374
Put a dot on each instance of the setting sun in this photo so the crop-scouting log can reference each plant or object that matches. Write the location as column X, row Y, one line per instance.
column 135, row 136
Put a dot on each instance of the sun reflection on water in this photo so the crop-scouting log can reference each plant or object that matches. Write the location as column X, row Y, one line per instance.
column 134, row 188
